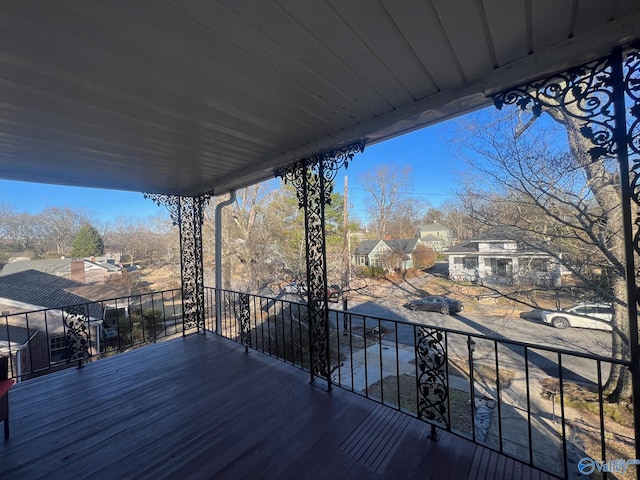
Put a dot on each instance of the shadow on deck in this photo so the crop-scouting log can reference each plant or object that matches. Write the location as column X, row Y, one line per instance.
column 198, row 407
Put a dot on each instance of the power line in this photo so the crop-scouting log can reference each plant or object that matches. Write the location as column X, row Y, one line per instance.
column 414, row 193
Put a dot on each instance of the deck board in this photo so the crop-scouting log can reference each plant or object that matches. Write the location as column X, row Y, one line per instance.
column 198, row 407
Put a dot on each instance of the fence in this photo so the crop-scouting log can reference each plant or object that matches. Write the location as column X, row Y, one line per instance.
column 38, row 342
column 540, row 405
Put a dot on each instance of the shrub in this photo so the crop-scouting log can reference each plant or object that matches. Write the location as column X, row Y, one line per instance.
column 369, row 272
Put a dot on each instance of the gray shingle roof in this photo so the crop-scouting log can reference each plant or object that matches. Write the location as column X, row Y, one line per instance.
column 42, row 289
column 500, row 234
column 469, row 247
column 365, row 247
column 406, row 245
column 53, row 266
column 13, row 334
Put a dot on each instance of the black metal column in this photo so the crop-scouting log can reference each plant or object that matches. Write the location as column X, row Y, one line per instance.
column 313, row 179
column 188, row 214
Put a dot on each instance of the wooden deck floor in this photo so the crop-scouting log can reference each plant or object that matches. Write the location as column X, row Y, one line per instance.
column 198, row 407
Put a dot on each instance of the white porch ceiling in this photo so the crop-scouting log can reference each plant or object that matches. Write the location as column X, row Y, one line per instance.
column 186, row 96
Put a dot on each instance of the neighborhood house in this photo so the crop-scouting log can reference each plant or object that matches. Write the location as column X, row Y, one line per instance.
column 387, row 254
column 498, row 257
column 435, row 236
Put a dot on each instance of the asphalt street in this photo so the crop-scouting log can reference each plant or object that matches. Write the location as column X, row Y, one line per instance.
column 541, row 363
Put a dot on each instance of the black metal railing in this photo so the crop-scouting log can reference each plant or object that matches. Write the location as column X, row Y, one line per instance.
column 540, row 405
column 38, row 342
column 276, row 327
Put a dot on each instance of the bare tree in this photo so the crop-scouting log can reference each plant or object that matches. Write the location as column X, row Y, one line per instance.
column 264, row 238
column 561, row 201
column 387, row 187
column 6, row 214
column 404, row 218
column 142, row 238
column 249, row 253
column 60, row 225
column 25, row 231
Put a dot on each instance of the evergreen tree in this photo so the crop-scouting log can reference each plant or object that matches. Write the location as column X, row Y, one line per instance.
column 87, row 243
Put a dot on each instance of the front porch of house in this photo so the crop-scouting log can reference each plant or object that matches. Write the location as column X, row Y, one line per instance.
column 466, row 387
column 172, row 101
column 199, row 407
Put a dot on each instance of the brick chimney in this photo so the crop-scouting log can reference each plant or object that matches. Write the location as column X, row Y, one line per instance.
column 77, row 270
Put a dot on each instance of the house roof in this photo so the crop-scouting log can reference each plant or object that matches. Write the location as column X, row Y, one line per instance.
column 366, row 247
column 52, row 266
column 433, row 227
column 104, row 291
column 188, row 97
column 15, row 335
column 432, row 238
column 43, row 290
column 467, row 247
column 501, row 233
column 497, row 234
column 405, row 245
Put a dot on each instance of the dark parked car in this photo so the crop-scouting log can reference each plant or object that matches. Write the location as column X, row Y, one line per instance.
column 333, row 293
column 435, row 303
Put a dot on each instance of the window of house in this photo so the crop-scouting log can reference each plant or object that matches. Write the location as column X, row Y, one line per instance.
column 58, row 348
column 503, row 267
column 471, row 263
column 539, row 265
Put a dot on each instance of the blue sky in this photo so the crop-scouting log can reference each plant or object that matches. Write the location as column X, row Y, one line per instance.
column 104, row 205
column 424, row 151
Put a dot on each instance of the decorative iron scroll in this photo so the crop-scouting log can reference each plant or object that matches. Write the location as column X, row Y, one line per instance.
column 433, row 387
column 632, row 90
column 188, row 214
column 313, row 178
column 584, row 93
column 243, row 317
column 588, row 93
column 76, row 326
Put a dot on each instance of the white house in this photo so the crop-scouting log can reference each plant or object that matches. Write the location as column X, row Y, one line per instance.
column 498, row 257
column 436, row 236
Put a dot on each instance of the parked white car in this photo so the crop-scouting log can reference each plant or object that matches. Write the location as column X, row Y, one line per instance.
column 583, row 315
column 295, row 287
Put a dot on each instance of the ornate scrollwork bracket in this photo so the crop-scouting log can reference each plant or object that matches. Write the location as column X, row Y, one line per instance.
column 77, row 333
column 313, row 177
column 603, row 96
column 188, row 214
column 584, row 93
column 243, row 319
column 433, row 385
